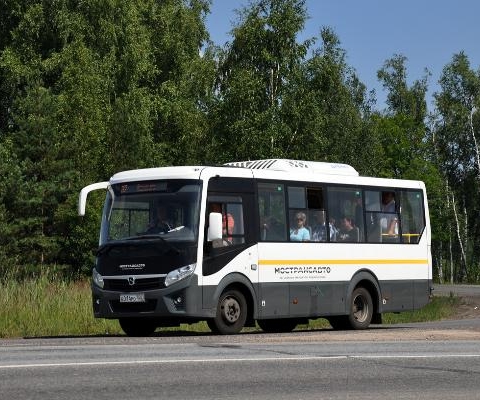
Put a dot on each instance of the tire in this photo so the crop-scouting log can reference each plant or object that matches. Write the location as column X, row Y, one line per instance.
column 137, row 327
column 231, row 313
column 277, row 325
column 361, row 309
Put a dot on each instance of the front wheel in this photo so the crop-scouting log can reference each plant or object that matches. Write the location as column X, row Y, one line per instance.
column 361, row 309
column 138, row 327
column 231, row 313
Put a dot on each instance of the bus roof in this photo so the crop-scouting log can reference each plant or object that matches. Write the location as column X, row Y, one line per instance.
column 265, row 169
column 285, row 165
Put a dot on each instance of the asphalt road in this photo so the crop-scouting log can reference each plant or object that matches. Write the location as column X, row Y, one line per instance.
column 301, row 365
column 457, row 290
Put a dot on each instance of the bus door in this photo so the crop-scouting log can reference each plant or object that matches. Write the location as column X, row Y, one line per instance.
column 273, row 287
column 236, row 252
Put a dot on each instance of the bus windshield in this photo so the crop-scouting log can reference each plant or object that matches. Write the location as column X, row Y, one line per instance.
column 166, row 209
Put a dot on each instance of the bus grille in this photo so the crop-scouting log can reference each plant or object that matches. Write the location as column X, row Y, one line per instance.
column 141, row 284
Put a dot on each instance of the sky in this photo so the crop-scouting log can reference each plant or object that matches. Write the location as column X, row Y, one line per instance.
column 427, row 32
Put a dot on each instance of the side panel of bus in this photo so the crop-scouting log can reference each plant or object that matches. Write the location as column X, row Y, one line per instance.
column 315, row 277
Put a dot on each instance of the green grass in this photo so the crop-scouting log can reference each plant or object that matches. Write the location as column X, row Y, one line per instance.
column 49, row 307
column 46, row 307
column 439, row 308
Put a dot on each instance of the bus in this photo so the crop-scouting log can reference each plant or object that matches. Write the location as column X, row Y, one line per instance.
column 270, row 242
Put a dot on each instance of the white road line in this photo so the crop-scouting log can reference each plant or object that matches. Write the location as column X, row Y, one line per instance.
column 223, row 360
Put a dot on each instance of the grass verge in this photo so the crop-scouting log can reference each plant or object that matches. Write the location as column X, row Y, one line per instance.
column 46, row 307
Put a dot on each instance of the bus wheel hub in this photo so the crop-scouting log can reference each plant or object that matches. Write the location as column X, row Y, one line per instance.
column 231, row 309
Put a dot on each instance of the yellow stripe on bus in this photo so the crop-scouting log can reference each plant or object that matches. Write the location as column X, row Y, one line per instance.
column 301, row 262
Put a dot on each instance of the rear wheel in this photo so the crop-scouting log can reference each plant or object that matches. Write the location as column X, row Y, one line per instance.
column 277, row 325
column 361, row 309
column 231, row 313
column 360, row 315
column 138, row 327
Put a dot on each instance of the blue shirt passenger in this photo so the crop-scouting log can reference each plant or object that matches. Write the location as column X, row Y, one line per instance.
column 300, row 233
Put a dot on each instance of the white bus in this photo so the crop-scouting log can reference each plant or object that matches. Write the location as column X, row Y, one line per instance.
column 277, row 242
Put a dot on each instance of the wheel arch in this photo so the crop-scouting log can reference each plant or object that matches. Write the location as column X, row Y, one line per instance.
column 368, row 280
column 244, row 285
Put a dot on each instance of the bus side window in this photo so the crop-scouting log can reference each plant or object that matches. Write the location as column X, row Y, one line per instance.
column 412, row 215
column 383, row 222
column 237, row 231
column 299, row 225
column 271, row 209
column 346, row 204
column 231, row 208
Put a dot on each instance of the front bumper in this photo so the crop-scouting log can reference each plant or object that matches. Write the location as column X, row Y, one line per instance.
column 180, row 300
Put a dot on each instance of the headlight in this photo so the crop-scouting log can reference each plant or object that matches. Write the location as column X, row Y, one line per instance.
column 97, row 278
column 179, row 274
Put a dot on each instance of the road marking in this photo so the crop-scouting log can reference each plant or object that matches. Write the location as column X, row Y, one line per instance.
column 223, row 360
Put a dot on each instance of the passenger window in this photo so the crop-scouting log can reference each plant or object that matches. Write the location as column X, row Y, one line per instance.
column 271, row 208
column 346, row 214
column 299, row 230
column 231, row 208
column 382, row 220
column 412, row 216
column 296, row 197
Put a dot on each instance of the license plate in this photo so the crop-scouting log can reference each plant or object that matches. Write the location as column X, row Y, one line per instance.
column 132, row 298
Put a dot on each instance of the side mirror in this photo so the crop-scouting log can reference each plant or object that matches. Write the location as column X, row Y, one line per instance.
column 214, row 226
column 82, row 198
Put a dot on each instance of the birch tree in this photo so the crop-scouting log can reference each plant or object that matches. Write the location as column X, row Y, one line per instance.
column 456, row 130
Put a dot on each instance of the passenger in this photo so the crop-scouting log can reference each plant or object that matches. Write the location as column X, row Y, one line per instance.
column 319, row 230
column 300, row 233
column 348, row 233
column 333, row 229
column 389, row 222
column 358, row 210
column 271, row 229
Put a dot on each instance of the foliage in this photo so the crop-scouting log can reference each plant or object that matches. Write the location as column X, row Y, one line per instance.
column 88, row 89
column 455, row 139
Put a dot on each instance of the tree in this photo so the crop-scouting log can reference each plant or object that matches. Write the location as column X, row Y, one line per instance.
column 276, row 102
column 89, row 89
column 255, row 71
column 334, row 109
column 11, row 175
column 408, row 146
column 404, row 123
column 456, row 131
